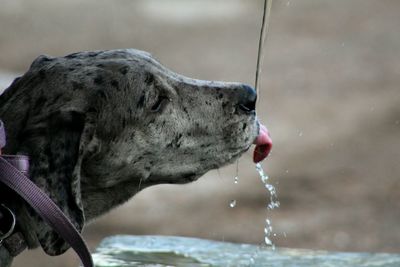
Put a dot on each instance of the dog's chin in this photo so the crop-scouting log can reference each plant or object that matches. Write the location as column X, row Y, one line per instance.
column 183, row 178
column 192, row 175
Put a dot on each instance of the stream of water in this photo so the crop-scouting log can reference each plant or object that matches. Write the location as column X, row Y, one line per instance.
column 273, row 198
column 272, row 204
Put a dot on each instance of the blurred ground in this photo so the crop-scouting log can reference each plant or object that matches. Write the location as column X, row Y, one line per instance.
column 329, row 95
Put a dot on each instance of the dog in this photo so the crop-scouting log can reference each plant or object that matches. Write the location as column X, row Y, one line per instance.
column 101, row 126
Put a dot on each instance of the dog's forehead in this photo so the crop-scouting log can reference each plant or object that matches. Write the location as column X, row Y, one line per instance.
column 127, row 54
column 118, row 54
column 128, row 58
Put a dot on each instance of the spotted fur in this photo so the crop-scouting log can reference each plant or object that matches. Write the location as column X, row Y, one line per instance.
column 101, row 126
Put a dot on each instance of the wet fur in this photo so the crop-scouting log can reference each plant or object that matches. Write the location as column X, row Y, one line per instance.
column 101, row 126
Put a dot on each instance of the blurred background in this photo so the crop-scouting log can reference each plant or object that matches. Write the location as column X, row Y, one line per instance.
column 330, row 97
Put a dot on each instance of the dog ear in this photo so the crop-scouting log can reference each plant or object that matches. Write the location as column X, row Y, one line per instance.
column 56, row 148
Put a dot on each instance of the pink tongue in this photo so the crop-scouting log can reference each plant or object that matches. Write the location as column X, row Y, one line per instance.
column 263, row 144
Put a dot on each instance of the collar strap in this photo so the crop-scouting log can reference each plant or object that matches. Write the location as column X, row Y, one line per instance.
column 11, row 238
column 18, row 181
column 2, row 136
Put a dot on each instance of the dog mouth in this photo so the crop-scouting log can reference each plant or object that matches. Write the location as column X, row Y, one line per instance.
column 263, row 144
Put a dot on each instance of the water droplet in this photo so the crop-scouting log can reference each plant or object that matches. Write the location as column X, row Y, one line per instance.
column 252, row 261
column 288, row 3
column 273, row 205
column 287, row 171
column 342, row 44
column 300, row 133
column 266, row 231
column 236, row 179
column 232, row 204
column 268, row 241
column 284, row 234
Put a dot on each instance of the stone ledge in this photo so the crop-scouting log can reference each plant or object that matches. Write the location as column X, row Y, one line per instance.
column 183, row 251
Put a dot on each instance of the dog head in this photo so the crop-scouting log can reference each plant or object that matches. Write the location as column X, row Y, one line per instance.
column 163, row 127
column 100, row 126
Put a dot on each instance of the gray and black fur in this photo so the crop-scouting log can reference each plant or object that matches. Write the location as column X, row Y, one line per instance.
column 100, row 126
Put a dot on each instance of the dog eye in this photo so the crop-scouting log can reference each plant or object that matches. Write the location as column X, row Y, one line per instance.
column 160, row 103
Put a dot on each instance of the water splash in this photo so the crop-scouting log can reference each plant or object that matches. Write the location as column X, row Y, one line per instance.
column 273, row 196
column 268, row 233
column 273, row 203
column 232, row 204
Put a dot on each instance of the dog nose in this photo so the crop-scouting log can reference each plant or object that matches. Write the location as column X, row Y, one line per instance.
column 247, row 98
